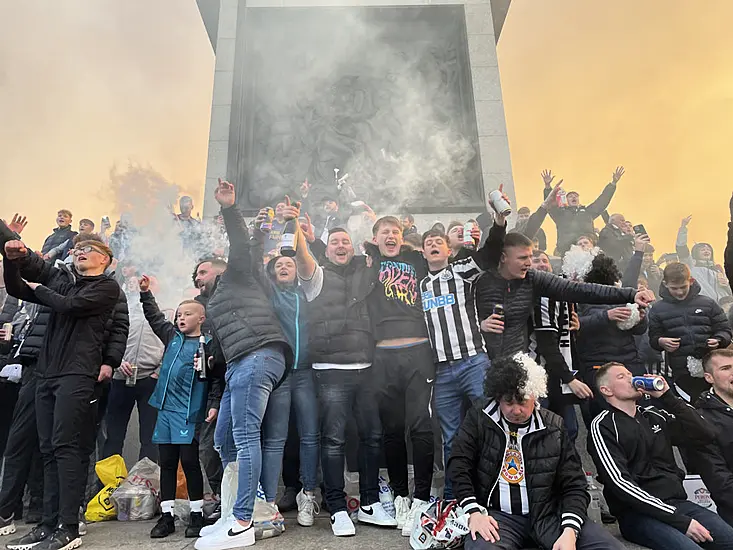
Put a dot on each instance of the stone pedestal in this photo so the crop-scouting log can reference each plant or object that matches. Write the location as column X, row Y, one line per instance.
column 236, row 142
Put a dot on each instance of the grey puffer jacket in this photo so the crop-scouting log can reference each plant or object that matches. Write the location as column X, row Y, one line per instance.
column 518, row 297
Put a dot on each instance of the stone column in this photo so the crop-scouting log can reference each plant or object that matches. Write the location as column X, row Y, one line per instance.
column 221, row 104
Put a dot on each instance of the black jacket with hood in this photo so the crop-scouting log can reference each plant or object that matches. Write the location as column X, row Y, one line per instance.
column 693, row 320
column 714, row 462
column 635, row 460
column 81, row 317
column 556, row 484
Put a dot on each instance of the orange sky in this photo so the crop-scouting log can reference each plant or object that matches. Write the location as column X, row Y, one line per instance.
column 85, row 84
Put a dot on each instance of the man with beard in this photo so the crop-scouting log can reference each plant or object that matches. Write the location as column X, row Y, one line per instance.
column 69, row 367
column 341, row 349
column 709, row 275
column 204, row 278
column 256, row 353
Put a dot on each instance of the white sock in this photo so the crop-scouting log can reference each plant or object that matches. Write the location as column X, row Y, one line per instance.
column 167, row 506
column 197, row 505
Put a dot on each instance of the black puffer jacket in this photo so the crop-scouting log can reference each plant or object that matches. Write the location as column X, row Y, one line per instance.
column 600, row 340
column 339, row 326
column 556, row 484
column 116, row 332
column 692, row 320
column 239, row 307
column 519, row 295
column 714, row 462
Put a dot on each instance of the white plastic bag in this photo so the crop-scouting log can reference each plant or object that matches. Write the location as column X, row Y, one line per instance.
column 267, row 520
column 386, row 497
column 136, row 498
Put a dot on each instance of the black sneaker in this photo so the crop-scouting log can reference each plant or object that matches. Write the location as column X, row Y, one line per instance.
column 166, row 526
column 288, row 503
column 195, row 524
column 36, row 536
column 61, row 539
column 7, row 526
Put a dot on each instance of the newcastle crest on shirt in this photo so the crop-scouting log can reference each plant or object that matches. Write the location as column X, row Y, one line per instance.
column 513, row 468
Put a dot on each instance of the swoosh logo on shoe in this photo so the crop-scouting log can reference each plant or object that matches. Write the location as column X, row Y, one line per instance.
column 369, row 512
column 231, row 533
column 430, row 380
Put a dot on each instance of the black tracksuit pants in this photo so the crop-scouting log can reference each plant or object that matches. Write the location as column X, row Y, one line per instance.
column 22, row 458
column 64, row 412
column 406, row 377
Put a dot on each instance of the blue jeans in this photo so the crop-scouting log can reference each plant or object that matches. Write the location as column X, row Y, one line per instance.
column 274, row 434
column 650, row 532
column 305, row 405
column 341, row 395
column 249, row 383
column 456, row 381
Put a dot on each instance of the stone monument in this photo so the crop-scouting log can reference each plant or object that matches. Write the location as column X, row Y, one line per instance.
column 404, row 96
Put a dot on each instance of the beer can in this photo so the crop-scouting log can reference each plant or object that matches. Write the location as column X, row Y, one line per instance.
column 499, row 203
column 562, row 198
column 499, row 310
column 647, row 383
column 266, row 226
column 8, row 328
column 467, row 238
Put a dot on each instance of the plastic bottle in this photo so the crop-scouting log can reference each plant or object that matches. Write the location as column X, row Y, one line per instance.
column 386, row 497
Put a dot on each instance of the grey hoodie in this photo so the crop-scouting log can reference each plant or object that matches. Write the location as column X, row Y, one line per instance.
column 704, row 272
column 144, row 348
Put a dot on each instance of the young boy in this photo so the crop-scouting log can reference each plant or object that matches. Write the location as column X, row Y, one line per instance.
column 453, row 326
column 181, row 397
column 686, row 325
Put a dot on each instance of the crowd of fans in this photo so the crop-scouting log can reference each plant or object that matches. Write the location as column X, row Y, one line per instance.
column 272, row 354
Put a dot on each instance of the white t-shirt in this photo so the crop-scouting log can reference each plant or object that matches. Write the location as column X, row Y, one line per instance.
column 312, row 288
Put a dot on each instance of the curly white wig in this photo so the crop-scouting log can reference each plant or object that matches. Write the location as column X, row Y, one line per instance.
column 536, row 376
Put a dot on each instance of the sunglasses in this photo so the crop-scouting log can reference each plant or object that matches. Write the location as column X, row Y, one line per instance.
column 87, row 250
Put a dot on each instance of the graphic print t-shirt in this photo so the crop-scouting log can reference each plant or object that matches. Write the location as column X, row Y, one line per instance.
column 395, row 306
column 510, row 494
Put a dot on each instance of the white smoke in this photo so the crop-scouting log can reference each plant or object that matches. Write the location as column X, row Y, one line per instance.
column 155, row 242
column 352, row 97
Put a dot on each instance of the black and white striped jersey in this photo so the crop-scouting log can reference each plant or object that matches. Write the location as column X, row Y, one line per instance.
column 450, row 311
column 549, row 314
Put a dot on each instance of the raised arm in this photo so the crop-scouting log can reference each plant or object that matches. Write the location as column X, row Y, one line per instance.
column 728, row 254
column 535, row 221
column 489, row 254
column 686, row 426
column 681, row 245
column 240, row 258
column 162, row 328
column 598, row 206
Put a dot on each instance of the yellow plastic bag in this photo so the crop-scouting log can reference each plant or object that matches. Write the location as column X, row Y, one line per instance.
column 111, row 471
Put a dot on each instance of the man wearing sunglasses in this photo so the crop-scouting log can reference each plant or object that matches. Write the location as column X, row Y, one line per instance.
column 68, row 368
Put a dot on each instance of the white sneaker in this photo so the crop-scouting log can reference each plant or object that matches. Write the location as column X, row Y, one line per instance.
column 402, row 509
column 229, row 536
column 213, row 528
column 375, row 515
column 307, row 508
column 341, row 525
column 418, row 506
